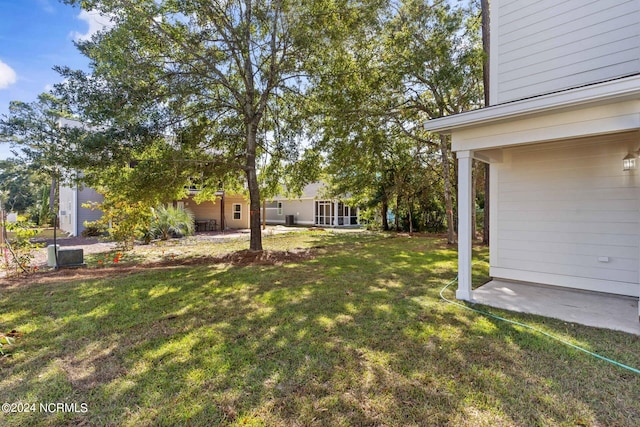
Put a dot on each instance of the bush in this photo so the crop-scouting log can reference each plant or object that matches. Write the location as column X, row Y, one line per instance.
column 20, row 246
column 93, row 229
column 170, row 222
column 124, row 221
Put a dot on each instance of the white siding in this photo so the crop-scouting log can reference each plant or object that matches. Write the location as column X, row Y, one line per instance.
column 559, row 207
column 72, row 215
column 67, row 210
column 301, row 209
column 544, row 46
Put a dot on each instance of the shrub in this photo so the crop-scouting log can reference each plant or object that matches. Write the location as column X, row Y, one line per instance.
column 126, row 221
column 170, row 222
column 20, row 245
column 93, row 229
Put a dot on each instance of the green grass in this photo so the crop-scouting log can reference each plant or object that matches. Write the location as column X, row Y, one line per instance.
column 43, row 233
column 356, row 336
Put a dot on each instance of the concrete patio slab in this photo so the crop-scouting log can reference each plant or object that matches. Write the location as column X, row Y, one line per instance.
column 587, row 308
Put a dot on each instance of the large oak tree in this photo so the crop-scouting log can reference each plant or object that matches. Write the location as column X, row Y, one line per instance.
column 220, row 77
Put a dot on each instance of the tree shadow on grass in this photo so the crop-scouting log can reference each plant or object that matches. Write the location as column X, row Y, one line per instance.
column 356, row 336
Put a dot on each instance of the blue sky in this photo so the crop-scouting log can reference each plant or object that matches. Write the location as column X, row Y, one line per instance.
column 35, row 35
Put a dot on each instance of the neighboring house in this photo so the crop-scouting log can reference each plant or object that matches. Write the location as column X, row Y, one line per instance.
column 564, row 113
column 228, row 211
column 311, row 208
column 72, row 214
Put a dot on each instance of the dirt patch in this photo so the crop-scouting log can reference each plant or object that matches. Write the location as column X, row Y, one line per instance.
column 239, row 258
column 247, row 257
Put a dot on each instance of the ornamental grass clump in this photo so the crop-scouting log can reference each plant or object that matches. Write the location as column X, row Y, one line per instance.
column 171, row 222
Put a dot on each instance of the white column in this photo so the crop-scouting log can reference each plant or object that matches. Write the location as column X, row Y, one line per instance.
column 335, row 213
column 465, row 204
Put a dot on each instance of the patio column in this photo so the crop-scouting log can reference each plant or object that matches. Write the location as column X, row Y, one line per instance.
column 465, row 204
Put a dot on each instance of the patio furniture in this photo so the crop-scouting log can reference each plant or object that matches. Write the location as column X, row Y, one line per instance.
column 206, row 225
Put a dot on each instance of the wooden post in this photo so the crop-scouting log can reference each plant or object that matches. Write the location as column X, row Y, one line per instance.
column 222, row 224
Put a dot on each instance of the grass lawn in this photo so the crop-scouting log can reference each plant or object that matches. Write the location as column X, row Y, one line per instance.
column 355, row 336
column 43, row 233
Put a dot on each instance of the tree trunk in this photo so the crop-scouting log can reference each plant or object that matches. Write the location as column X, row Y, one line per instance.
column 448, row 197
column 484, row 7
column 385, row 210
column 255, row 242
column 410, row 217
column 397, row 215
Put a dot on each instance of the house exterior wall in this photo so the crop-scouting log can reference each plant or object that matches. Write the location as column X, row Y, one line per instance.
column 566, row 214
column 271, row 215
column 203, row 211
column 210, row 210
column 86, row 195
column 544, row 46
column 301, row 209
column 230, row 222
column 67, row 210
column 72, row 215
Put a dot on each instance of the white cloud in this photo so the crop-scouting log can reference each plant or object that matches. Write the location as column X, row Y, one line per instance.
column 7, row 75
column 96, row 21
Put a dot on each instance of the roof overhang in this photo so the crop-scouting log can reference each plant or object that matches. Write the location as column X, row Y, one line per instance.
column 622, row 89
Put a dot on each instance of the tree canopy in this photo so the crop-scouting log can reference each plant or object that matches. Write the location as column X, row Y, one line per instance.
column 220, row 77
column 261, row 96
column 420, row 60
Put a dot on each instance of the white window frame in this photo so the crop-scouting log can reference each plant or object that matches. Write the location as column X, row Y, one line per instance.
column 280, row 210
column 326, row 218
column 237, row 211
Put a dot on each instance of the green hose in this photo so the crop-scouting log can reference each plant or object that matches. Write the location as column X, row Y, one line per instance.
column 513, row 322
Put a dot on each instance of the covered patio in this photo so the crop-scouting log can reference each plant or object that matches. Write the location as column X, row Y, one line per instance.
column 564, row 202
column 616, row 312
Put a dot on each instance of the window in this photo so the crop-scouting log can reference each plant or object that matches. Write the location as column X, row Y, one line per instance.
column 237, row 211
column 279, row 208
column 324, row 213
